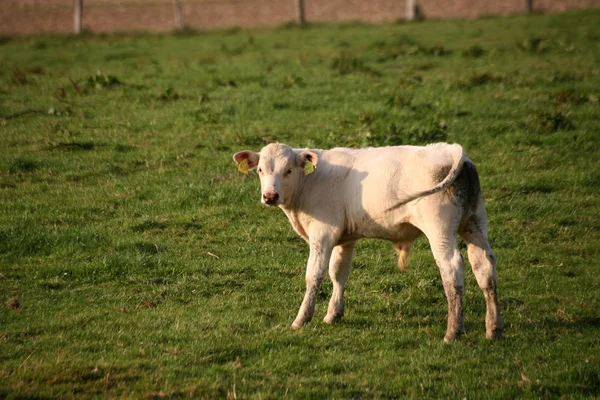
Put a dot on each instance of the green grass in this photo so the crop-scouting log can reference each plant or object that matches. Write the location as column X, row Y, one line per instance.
column 136, row 262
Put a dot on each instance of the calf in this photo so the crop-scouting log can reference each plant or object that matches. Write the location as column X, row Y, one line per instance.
column 334, row 197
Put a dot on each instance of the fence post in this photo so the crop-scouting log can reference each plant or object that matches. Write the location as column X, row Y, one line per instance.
column 300, row 9
column 529, row 5
column 77, row 11
column 410, row 10
column 179, row 14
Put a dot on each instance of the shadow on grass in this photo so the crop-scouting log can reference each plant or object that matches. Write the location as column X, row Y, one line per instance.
column 9, row 394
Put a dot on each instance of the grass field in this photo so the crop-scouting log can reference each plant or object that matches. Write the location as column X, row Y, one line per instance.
column 136, row 262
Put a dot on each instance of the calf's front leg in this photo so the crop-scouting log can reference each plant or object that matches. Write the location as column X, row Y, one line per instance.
column 318, row 260
column 339, row 269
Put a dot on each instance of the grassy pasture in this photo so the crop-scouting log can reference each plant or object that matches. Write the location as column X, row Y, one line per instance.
column 136, row 262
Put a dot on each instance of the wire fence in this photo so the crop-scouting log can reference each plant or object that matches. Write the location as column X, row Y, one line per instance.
column 36, row 16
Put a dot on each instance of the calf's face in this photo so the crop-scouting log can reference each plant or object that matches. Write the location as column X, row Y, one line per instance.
column 280, row 169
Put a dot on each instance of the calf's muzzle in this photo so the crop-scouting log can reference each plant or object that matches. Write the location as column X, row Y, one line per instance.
column 270, row 198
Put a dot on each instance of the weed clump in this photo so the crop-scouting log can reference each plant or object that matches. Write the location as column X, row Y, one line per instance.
column 345, row 64
column 169, row 95
column 437, row 50
column 406, row 46
column 60, row 111
column 474, row 51
column 400, row 100
column 570, row 96
column 19, row 77
column 534, row 45
column 13, row 304
column 479, row 80
column 207, row 115
column 74, row 146
column 101, row 81
column 414, row 80
column 395, row 135
column 293, row 81
column 482, row 79
column 432, row 133
column 203, row 98
column 390, row 135
column 555, row 121
column 225, row 83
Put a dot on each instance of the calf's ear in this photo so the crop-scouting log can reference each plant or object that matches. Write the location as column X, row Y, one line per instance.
column 307, row 156
column 250, row 157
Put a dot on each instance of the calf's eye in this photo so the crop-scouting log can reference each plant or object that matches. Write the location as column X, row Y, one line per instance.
column 260, row 170
column 289, row 171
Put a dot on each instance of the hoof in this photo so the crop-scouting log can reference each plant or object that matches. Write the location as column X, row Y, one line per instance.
column 452, row 337
column 330, row 319
column 297, row 325
column 495, row 334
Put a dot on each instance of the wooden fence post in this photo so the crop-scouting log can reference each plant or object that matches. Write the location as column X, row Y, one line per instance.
column 77, row 11
column 300, row 8
column 410, row 10
column 179, row 14
column 529, row 5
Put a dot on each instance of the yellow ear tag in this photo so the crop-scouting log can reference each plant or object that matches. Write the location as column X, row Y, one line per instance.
column 243, row 166
column 309, row 168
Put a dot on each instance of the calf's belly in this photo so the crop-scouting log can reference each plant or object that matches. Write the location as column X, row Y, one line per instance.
column 404, row 232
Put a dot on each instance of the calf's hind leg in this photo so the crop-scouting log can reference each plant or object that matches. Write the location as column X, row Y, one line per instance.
column 450, row 262
column 483, row 264
column 339, row 269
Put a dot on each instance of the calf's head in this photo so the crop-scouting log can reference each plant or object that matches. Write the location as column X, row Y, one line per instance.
column 280, row 169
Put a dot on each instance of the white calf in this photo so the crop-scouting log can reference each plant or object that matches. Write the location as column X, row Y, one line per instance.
column 392, row 193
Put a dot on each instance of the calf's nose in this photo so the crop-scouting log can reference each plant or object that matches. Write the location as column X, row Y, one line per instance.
column 270, row 197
